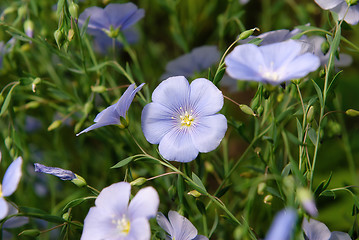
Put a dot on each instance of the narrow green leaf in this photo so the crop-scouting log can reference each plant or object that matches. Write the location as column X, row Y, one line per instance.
column 7, row 100
column 200, row 187
column 124, row 162
column 319, row 92
column 299, row 130
column 312, row 136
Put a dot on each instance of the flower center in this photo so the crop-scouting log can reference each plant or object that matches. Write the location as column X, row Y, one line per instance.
column 269, row 72
column 271, row 75
column 123, row 225
column 186, row 119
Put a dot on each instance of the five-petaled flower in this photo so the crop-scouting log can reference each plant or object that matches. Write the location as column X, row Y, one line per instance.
column 273, row 63
column 114, row 218
column 315, row 230
column 113, row 114
column 183, row 119
column 178, row 227
column 9, row 184
column 283, row 225
column 341, row 7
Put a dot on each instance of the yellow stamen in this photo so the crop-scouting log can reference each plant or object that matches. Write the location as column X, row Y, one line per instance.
column 123, row 225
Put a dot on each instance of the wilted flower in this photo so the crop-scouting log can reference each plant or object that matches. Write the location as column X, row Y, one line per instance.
column 9, row 184
column 113, row 114
column 273, row 63
column 283, row 225
column 340, row 7
column 197, row 60
column 178, row 227
column 315, row 230
column 114, row 218
column 113, row 18
column 58, row 172
column 183, row 118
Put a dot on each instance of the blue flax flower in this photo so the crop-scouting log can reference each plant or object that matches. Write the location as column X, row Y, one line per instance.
column 273, row 63
column 9, row 184
column 197, row 60
column 183, row 119
column 114, row 218
column 58, row 172
column 315, row 230
column 178, row 227
column 283, row 225
column 340, row 7
column 112, row 114
column 113, row 18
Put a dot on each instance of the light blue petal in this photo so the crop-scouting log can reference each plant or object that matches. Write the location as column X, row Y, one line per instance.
column 107, row 115
column 3, row 208
column 177, row 145
column 283, row 225
column 98, row 125
column 205, row 56
column 125, row 101
column 339, row 236
column 352, row 17
column 14, row 222
column 205, row 97
column 208, row 132
column 183, row 228
column 315, row 230
column 181, row 66
column 172, row 93
column 123, row 15
column 139, row 230
column 98, row 225
column 328, row 4
column 301, row 66
column 58, row 172
column 244, row 62
column 113, row 200
column 200, row 237
column 157, row 120
column 144, row 204
column 164, row 223
column 98, row 19
column 12, row 177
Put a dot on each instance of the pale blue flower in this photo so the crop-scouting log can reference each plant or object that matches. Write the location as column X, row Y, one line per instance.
column 114, row 218
column 178, row 227
column 315, row 230
column 58, row 172
column 273, row 63
column 199, row 59
column 183, row 119
column 283, row 225
column 340, row 7
column 112, row 114
column 9, row 184
column 115, row 15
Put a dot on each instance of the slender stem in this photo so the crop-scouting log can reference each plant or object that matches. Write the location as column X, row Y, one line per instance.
column 138, row 145
column 162, row 175
column 93, row 189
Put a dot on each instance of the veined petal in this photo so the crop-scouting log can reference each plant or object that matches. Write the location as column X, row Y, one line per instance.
column 12, row 177
column 173, row 93
column 177, row 145
column 164, row 223
column 200, row 237
column 140, row 230
column 243, row 62
column 107, row 115
column 113, row 200
column 126, row 99
column 328, row 4
column 144, row 204
column 205, row 97
column 339, row 236
column 209, row 132
column 3, row 208
column 183, row 228
column 156, row 120
column 123, row 15
column 315, row 230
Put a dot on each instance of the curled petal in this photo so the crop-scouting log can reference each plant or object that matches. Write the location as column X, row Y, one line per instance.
column 12, row 177
column 58, row 172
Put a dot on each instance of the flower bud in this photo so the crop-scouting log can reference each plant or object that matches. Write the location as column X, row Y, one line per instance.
column 247, row 110
column 54, row 125
column 98, row 89
column 79, row 181
column 30, row 232
column 66, row 216
column 1, row 99
column 352, row 113
column 70, row 35
column 138, row 182
column 324, row 47
column 194, row 193
column 74, row 10
column 247, row 33
column 322, row 73
column 310, row 114
column 88, row 107
column 8, row 142
column 59, row 37
column 268, row 199
column 29, row 28
column 260, row 188
column 260, row 110
column 21, row 11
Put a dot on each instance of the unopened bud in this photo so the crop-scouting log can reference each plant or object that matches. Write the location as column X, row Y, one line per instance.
column 261, row 187
column 139, row 181
column 98, row 89
column 29, row 28
column 247, row 110
column 260, row 110
column 324, row 47
column 66, row 216
column 310, row 114
column 209, row 167
column 322, row 73
column 30, row 233
column 247, row 33
column 54, row 125
column 1, row 99
column 352, row 112
column 268, row 199
column 70, row 35
column 194, row 193
column 59, row 37
column 88, row 107
column 79, row 181
column 74, row 10
column 8, row 142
